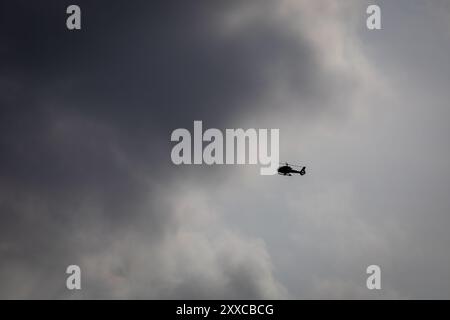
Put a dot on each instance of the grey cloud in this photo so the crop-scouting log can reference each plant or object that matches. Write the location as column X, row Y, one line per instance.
column 86, row 177
column 85, row 124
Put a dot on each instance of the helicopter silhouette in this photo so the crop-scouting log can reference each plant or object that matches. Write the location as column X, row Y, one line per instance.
column 286, row 169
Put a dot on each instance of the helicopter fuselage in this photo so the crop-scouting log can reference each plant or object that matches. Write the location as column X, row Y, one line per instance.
column 288, row 171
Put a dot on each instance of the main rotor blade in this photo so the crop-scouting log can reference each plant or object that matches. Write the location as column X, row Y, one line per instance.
column 292, row 165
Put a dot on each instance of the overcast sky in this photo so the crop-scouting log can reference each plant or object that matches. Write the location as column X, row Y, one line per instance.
column 86, row 176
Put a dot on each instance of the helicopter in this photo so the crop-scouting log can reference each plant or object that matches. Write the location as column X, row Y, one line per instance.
column 286, row 169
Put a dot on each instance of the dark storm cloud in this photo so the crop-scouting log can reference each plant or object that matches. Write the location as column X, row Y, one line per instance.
column 85, row 170
column 141, row 70
column 85, row 121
